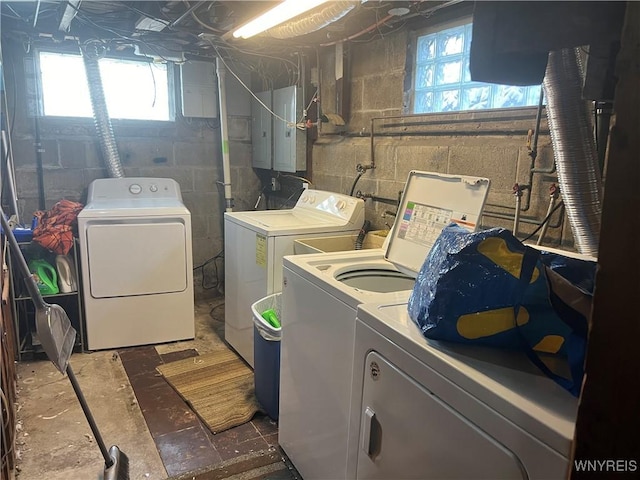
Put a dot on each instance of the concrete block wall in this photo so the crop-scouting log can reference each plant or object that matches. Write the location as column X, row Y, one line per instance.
column 493, row 145
column 187, row 150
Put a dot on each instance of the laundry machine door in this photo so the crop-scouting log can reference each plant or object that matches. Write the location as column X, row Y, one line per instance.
column 136, row 258
column 408, row 432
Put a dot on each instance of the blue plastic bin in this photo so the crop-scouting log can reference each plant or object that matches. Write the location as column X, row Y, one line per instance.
column 266, row 355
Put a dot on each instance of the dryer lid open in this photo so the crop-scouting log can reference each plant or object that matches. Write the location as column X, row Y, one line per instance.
column 430, row 202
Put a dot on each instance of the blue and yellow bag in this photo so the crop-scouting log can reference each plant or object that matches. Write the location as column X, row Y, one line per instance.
column 473, row 286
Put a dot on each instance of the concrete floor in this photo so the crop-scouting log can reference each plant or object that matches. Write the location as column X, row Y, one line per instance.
column 54, row 440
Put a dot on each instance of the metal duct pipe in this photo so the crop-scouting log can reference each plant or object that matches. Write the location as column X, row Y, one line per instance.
column 545, row 225
column 516, row 216
column 91, row 53
column 574, row 148
column 313, row 21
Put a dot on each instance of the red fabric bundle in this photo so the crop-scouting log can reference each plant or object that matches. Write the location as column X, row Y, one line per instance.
column 54, row 229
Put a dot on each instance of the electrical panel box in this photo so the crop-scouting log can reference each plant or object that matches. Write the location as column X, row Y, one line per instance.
column 198, row 89
column 261, row 131
column 289, row 142
column 277, row 141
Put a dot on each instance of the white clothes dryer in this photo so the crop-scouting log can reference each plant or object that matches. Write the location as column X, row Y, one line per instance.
column 429, row 410
column 320, row 295
column 256, row 241
column 136, row 259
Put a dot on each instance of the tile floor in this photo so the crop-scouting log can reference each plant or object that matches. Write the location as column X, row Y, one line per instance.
column 171, row 422
column 134, row 408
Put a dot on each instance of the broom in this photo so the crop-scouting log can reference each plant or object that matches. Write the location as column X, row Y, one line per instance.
column 57, row 337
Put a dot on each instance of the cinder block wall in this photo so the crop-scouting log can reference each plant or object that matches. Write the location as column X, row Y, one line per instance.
column 187, row 150
column 493, row 147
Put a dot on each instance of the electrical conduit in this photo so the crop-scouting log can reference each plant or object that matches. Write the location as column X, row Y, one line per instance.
column 224, row 134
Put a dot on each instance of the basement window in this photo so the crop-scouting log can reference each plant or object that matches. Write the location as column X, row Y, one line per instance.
column 442, row 81
column 136, row 90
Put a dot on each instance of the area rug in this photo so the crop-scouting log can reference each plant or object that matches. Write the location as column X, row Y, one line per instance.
column 262, row 465
column 218, row 386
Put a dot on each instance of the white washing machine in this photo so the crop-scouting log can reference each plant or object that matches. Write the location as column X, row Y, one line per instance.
column 256, row 241
column 137, row 266
column 427, row 410
column 319, row 300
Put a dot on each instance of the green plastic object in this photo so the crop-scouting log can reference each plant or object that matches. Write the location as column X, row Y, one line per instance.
column 271, row 316
column 45, row 276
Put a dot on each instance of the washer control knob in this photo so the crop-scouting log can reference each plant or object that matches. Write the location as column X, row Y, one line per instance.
column 153, row 187
column 341, row 204
column 135, row 188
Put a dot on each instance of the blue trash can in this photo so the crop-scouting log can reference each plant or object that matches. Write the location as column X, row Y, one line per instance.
column 266, row 355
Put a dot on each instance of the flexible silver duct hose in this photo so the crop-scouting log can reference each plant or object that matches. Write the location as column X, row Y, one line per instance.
column 314, row 21
column 574, row 148
column 91, row 53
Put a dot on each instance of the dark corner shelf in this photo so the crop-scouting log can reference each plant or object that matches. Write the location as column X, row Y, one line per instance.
column 54, row 295
column 24, row 309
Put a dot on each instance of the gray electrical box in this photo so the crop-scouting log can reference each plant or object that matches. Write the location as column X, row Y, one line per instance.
column 276, row 140
column 261, row 130
column 289, row 142
column 199, row 89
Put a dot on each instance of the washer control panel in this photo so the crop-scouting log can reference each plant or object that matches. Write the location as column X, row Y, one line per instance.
column 330, row 203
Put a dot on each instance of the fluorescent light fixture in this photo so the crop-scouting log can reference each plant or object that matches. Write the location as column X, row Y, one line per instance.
column 280, row 13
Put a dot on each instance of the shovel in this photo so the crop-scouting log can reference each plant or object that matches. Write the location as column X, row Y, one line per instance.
column 58, row 337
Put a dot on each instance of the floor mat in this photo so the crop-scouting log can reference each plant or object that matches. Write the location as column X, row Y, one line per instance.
column 217, row 385
column 262, row 465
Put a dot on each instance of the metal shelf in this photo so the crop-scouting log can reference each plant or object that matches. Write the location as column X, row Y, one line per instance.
column 66, row 294
column 27, row 342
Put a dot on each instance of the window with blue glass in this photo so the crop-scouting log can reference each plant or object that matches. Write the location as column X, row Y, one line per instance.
column 442, row 82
